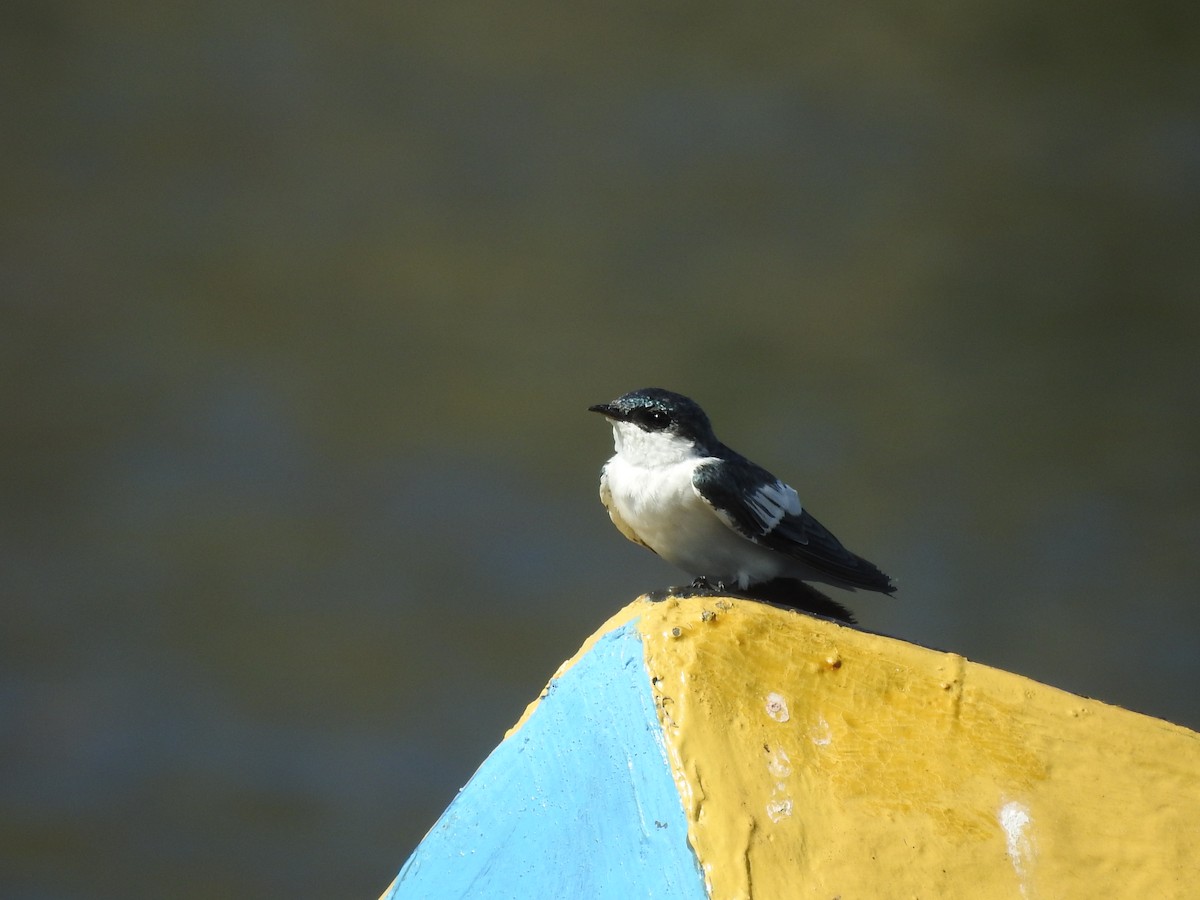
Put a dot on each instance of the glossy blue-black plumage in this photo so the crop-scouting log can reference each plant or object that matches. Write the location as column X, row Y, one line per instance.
column 725, row 485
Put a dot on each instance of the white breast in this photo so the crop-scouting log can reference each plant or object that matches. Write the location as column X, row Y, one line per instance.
column 658, row 504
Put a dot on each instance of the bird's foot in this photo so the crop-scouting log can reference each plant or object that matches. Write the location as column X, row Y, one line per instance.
column 703, row 584
column 699, row 587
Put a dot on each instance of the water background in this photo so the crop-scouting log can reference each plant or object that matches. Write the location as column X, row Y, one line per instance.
column 303, row 304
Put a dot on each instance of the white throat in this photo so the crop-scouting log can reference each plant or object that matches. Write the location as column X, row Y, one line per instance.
column 651, row 449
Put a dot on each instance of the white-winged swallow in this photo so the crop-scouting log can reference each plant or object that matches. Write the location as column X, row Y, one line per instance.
column 674, row 488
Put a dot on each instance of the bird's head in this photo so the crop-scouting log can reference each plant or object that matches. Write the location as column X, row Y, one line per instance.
column 652, row 426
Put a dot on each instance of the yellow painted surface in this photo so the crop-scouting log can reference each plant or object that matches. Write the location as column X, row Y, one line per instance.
column 816, row 760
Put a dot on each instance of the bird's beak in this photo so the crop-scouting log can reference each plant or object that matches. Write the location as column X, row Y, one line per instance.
column 605, row 409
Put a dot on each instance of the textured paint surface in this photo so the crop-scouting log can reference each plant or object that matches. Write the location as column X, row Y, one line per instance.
column 626, row 614
column 577, row 801
column 816, row 760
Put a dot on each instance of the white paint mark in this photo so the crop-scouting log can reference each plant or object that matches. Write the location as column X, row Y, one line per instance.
column 821, row 733
column 777, row 707
column 1015, row 821
column 780, row 765
column 779, row 809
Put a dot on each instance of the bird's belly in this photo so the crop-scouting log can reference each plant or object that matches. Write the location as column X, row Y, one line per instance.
column 722, row 555
column 669, row 517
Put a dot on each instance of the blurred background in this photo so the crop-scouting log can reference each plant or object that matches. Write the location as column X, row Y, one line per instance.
column 303, row 305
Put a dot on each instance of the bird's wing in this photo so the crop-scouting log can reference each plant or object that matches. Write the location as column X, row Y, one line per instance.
column 763, row 509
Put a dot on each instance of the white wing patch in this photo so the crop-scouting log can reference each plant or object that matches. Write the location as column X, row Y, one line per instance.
column 772, row 501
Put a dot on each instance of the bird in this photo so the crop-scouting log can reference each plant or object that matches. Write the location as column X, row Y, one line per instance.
column 673, row 487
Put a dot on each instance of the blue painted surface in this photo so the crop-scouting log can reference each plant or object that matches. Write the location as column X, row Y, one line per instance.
column 579, row 803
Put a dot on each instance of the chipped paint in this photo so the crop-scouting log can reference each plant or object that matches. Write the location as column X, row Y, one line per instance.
column 1015, row 821
column 778, row 810
column 777, row 707
column 780, row 765
column 820, row 734
column 818, row 761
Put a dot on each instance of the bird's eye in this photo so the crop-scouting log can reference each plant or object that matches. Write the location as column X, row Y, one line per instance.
column 653, row 419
